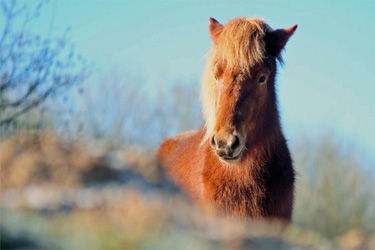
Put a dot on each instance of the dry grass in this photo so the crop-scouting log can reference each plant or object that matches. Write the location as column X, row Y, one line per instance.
column 60, row 195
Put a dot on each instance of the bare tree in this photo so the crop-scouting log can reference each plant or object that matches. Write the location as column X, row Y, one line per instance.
column 32, row 68
column 123, row 110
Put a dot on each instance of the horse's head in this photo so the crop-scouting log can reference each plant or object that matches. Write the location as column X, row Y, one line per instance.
column 238, row 89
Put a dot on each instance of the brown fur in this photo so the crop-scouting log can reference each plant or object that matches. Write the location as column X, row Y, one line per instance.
column 261, row 183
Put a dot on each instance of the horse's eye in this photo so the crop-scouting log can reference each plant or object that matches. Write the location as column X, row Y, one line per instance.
column 262, row 79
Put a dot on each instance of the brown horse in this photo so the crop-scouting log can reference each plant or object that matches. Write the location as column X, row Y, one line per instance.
column 239, row 162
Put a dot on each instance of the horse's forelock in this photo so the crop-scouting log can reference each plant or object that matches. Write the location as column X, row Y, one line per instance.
column 241, row 43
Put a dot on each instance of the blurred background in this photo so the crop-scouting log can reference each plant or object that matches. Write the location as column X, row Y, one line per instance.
column 89, row 89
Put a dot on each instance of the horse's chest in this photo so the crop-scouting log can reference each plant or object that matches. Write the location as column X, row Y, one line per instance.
column 237, row 197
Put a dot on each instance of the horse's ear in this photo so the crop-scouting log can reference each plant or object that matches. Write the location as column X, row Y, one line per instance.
column 276, row 40
column 215, row 29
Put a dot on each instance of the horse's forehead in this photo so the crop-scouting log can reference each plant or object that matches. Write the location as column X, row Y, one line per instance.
column 221, row 65
column 243, row 61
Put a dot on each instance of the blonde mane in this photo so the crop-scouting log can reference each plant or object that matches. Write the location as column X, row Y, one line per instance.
column 241, row 45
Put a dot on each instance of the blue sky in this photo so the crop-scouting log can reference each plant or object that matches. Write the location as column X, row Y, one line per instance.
column 326, row 84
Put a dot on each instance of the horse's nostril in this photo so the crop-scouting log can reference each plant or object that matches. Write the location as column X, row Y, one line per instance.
column 212, row 141
column 236, row 143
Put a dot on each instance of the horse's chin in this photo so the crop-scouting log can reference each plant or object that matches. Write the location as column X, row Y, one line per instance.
column 234, row 159
column 230, row 161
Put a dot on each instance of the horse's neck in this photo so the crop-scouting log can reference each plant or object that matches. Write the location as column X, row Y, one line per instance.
column 227, row 184
column 264, row 143
column 244, row 172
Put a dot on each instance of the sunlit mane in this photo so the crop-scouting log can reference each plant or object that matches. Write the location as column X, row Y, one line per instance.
column 241, row 44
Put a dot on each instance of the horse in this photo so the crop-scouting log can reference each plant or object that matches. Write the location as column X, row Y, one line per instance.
column 239, row 162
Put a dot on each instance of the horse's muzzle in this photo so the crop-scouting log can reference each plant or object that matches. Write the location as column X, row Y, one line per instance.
column 229, row 147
